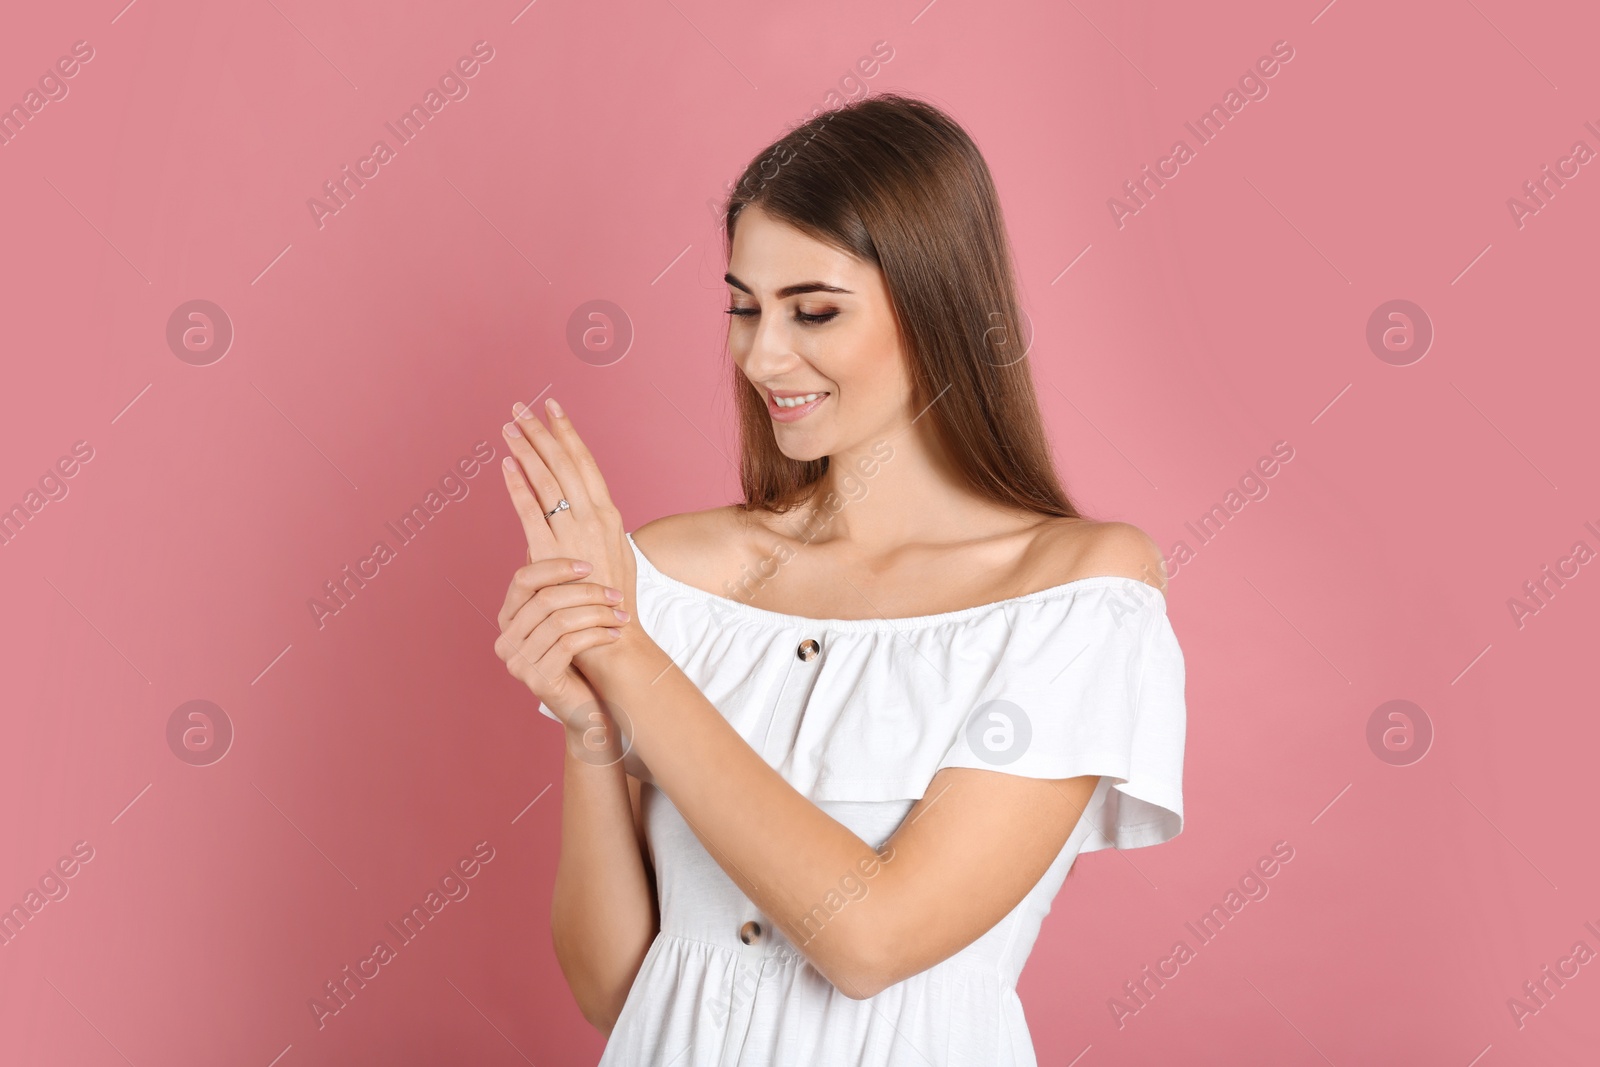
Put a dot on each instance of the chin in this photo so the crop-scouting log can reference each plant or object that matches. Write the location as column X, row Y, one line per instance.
column 802, row 453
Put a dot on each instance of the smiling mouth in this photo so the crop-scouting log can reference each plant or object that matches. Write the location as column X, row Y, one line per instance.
column 798, row 401
column 788, row 409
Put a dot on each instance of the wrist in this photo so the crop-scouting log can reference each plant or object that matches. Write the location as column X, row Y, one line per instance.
column 595, row 737
column 628, row 655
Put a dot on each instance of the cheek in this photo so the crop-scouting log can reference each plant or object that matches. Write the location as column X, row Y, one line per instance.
column 874, row 386
column 739, row 345
column 886, row 365
column 874, row 359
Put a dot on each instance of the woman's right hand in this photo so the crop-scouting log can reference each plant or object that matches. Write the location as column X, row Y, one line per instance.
column 549, row 616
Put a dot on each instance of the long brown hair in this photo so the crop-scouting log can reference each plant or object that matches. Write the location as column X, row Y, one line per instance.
column 897, row 183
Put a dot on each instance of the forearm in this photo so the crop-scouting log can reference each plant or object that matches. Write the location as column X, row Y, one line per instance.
column 603, row 912
column 784, row 853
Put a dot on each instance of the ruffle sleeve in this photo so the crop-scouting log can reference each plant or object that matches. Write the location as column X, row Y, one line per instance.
column 1098, row 689
column 1085, row 678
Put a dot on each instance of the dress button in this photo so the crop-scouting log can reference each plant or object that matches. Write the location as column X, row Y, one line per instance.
column 750, row 933
column 808, row 650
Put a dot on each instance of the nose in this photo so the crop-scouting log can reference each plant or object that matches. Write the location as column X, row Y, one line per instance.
column 770, row 354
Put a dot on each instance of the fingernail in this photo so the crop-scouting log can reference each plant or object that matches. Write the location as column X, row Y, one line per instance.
column 613, row 631
column 582, row 567
column 555, row 408
column 613, row 595
column 509, row 464
column 511, row 429
column 622, row 616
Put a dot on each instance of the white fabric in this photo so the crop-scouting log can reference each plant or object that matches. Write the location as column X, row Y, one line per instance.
column 861, row 729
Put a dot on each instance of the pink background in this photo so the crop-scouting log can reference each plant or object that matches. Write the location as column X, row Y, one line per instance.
column 372, row 353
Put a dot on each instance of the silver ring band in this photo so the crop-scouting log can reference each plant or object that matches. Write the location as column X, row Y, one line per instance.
column 563, row 506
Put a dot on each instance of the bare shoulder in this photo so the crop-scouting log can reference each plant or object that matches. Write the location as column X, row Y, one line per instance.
column 691, row 546
column 1082, row 549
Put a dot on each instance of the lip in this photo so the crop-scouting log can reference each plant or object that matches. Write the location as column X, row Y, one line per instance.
column 792, row 414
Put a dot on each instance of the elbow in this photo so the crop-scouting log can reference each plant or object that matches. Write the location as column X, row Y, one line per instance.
column 600, row 1006
column 863, row 984
column 861, row 990
column 599, row 995
column 602, row 1019
column 862, row 972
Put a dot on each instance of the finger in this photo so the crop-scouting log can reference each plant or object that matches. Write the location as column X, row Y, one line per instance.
column 543, row 658
column 546, row 633
column 541, row 541
column 529, row 579
column 522, row 618
column 524, row 668
column 556, row 663
column 553, row 453
column 545, row 485
column 545, row 676
column 582, row 459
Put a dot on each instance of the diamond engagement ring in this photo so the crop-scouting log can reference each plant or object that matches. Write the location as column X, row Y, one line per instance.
column 563, row 506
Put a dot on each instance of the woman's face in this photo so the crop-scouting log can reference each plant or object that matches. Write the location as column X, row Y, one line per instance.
column 808, row 318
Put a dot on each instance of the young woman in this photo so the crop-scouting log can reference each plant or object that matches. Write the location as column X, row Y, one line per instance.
column 832, row 750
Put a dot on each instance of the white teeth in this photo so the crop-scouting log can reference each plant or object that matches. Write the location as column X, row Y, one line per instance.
column 794, row 402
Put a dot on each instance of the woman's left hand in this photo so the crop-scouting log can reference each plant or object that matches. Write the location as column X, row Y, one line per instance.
column 547, row 466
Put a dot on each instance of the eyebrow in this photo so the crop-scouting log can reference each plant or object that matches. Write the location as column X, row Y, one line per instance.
column 788, row 290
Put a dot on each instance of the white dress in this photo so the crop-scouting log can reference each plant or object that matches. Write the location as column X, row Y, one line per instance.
column 858, row 715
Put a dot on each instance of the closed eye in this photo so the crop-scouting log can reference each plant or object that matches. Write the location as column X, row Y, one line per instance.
column 801, row 316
